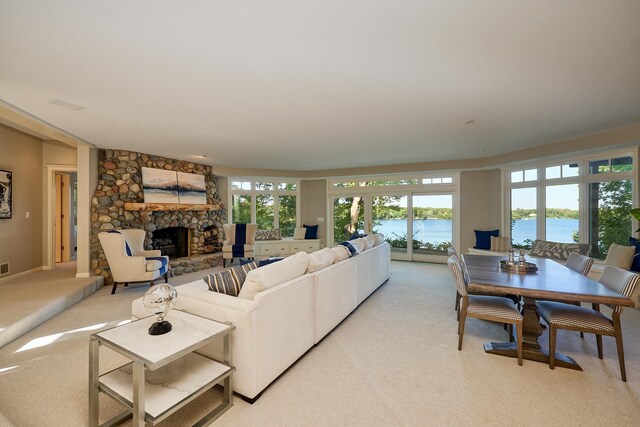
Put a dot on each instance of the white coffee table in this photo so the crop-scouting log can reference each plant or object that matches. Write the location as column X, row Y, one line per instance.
column 165, row 372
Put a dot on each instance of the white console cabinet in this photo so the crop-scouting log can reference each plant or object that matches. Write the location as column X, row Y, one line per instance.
column 285, row 247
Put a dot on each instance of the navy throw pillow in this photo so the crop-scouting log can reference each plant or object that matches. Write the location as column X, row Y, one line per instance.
column 310, row 231
column 348, row 245
column 357, row 235
column 635, row 265
column 483, row 238
column 268, row 261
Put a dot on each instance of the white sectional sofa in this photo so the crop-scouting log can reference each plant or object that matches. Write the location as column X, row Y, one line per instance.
column 283, row 322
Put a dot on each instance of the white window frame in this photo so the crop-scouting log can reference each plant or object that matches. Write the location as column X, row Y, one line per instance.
column 253, row 192
column 409, row 190
column 583, row 180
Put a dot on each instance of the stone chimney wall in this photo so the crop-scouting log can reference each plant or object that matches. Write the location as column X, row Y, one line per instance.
column 120, row 181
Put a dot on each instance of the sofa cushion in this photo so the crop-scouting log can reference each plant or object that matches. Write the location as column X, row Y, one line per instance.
column 229, row 282
column 223, row 282
column 268, row 234
column 360, row 244
column 379, row 238
column 350, row 247
column 298, row 233
column 620, row 256
column 340, row 253
column 311, row 231
column 272, row 275
column 370, row 241
column 483, row 238
column 320, row 259
column 559, row 251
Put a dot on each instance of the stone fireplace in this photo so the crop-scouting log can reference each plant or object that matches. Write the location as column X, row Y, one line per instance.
column 118, row 204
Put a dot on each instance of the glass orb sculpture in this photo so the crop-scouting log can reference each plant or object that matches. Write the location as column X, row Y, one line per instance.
column 159, row 299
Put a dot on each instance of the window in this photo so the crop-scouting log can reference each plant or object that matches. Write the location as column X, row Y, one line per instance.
column 584, row 200
column 269, row 203
column 523, row 217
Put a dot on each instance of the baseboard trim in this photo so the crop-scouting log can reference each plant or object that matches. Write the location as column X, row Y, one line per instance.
column 82, row 275
column 22, row 273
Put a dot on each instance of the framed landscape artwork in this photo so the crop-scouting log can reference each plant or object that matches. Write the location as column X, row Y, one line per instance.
column 5, row 194
column 159, row 186
column 192, row 189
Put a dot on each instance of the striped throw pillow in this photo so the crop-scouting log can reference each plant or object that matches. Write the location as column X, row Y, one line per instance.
column 229, row 282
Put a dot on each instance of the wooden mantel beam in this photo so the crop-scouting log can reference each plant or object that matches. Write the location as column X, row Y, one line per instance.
column 165, row 207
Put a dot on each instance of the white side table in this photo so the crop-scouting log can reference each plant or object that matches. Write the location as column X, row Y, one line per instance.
column 165, row 372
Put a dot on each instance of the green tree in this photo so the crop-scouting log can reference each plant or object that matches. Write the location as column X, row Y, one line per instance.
column 609, row 215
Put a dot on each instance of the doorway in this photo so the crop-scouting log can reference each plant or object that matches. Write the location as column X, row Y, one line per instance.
column 65, row 218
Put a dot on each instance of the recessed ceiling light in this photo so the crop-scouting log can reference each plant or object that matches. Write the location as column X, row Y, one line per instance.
column 199, row 156
column 470, row 121
column 65, row 104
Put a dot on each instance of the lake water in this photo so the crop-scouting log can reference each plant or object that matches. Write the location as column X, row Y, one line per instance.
column 440, row 230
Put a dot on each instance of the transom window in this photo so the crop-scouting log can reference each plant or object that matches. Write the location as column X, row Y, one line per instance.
column 269, row 203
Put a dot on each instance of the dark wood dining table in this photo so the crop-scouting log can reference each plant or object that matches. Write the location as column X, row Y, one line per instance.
column 552, row 281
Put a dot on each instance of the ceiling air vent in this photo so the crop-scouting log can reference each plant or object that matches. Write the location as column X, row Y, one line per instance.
column 4, row 269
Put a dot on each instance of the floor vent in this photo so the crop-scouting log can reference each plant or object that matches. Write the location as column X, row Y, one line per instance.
column 4, row 268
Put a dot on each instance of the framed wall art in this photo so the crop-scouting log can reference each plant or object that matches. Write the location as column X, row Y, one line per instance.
column 5, row 194
column 159, row 186
column 192, row 189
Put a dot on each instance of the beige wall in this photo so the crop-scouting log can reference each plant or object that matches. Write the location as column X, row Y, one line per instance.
column 222, row 184
column 480, row 204
column 21, row 237
column 313, row 205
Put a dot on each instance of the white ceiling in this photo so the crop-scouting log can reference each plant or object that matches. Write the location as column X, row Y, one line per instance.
column 309, row 85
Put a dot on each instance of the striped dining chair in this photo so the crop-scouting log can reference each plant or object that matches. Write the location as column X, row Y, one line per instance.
column 485, row 307
column 576, row 318
column 579, row 263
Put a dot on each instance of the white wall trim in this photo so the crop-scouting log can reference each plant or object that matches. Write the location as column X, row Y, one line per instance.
column 82, row 275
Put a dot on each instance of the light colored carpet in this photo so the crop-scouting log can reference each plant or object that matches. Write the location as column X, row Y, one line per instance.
column 33, row 298
column 394, row 361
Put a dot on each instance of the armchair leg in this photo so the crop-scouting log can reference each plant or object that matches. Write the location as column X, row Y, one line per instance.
column 126, row 284
column 166, row 277
column 115, row 285
column 151, row 283
column 224, row 262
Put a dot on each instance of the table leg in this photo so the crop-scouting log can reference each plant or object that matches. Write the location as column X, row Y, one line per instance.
column 228, row 359
column 94, row 402
column 531, row 349
column 138, row 394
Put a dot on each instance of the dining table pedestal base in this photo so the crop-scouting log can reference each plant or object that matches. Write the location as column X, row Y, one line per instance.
column 510, row 350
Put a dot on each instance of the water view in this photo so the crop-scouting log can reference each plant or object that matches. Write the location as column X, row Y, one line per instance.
column 440, row 230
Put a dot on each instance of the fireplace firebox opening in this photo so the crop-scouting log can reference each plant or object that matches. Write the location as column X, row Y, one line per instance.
column 172, row 242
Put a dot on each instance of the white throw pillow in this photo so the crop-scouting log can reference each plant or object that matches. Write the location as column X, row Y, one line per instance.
column 320, row 259
column 379, row 238
column 340, row 253
column 370, row 240
column 299, row 233
column 500, row 244
column 274, row 274
column 360, row 244
column 620, row 256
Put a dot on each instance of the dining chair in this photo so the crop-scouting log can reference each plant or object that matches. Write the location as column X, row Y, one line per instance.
column 579, row 263
column 590, row 320
column 485, row 307
column 451, row 251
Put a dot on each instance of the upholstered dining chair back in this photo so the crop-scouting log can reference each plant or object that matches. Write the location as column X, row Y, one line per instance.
column 622, row 281
column 458, row 276
column 452, row 251
column 579, row 263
